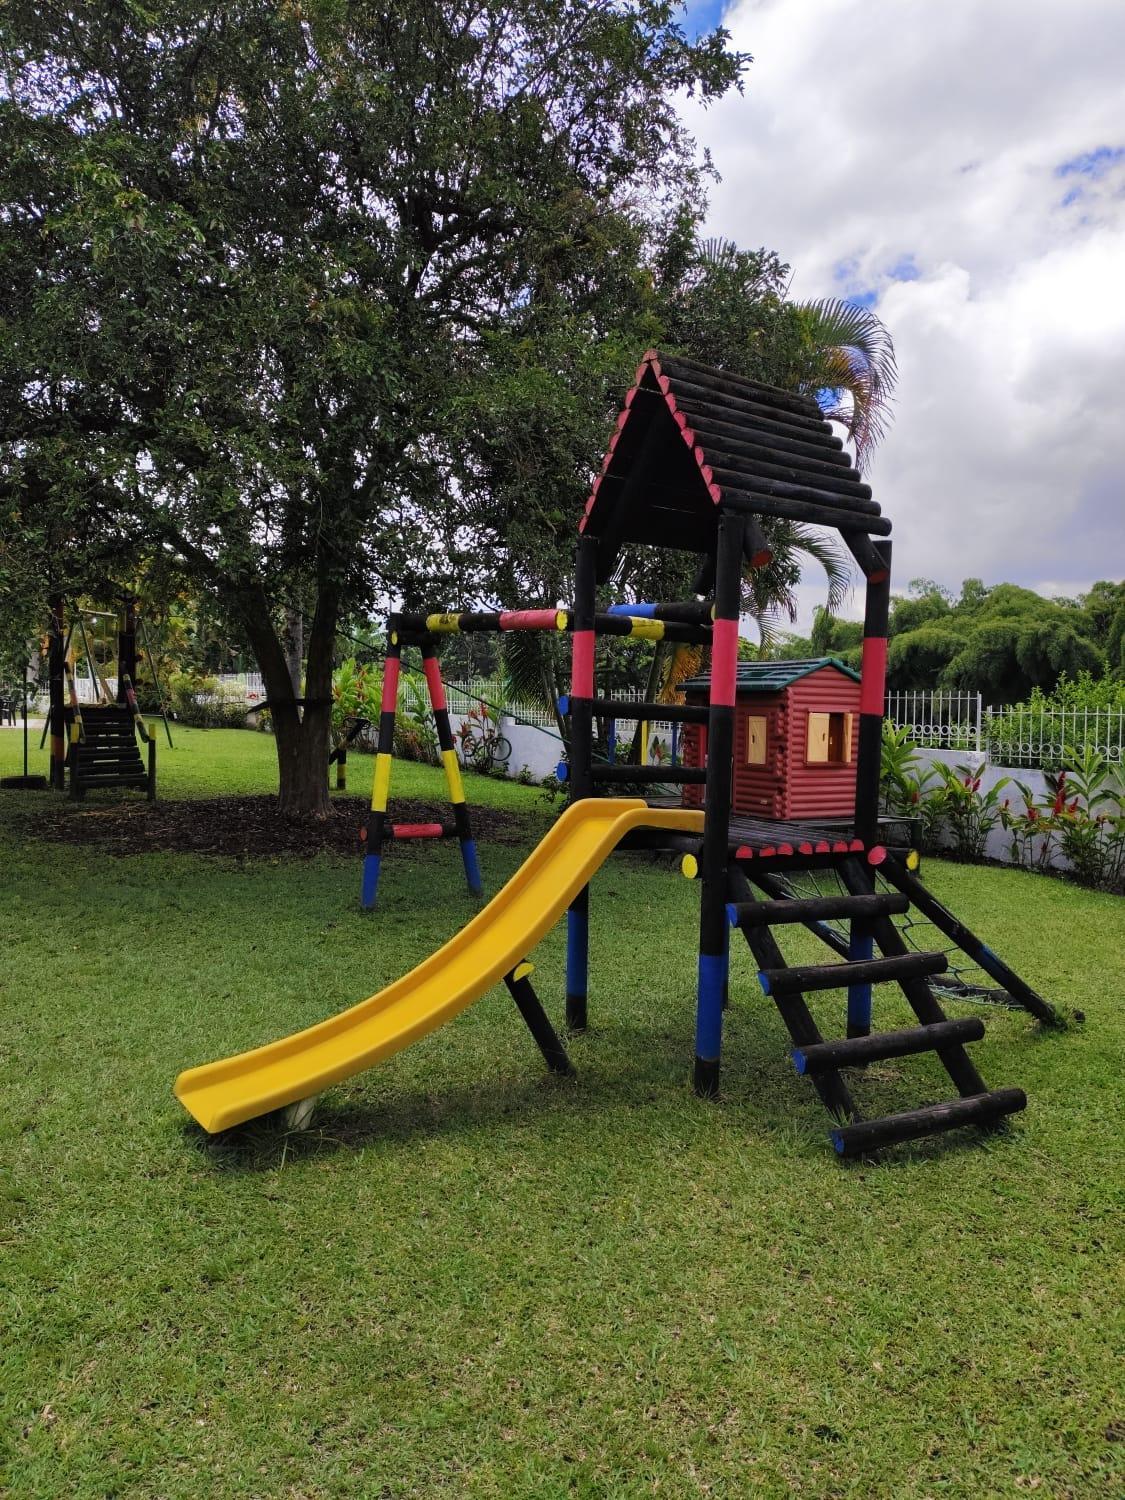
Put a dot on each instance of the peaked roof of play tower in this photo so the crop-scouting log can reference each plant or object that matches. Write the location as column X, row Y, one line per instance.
column 691, row 437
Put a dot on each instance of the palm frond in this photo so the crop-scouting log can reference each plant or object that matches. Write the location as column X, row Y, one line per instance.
column 832, row 557
column 853, row 354
column 718, row 253
column 525, row 670
column 684, row 662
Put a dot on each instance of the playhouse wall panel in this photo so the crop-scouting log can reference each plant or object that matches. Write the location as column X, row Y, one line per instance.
column 759, row 790
column 820, row 791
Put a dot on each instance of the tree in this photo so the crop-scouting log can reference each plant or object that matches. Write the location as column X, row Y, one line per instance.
column 269, row 257
column 917, row 659
column 1003, row 641
column 1005, row 658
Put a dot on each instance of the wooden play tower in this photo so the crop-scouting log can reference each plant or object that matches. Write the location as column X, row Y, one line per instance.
column 699, row 457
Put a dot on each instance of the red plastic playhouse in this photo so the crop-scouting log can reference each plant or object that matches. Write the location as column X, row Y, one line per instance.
column 795, row 739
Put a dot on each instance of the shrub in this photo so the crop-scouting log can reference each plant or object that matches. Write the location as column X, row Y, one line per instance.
column 968, row 815
column 415, row 734
column 201, row 701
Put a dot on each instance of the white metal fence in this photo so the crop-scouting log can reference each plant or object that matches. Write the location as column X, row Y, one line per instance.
column 249, row 682
column 1012, row 735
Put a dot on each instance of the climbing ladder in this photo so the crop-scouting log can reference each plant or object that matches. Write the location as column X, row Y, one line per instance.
column 105, row 751
column 824, row 1062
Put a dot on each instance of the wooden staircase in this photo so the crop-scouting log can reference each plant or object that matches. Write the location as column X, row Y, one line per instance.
column 824, row 1062
column 106, row 753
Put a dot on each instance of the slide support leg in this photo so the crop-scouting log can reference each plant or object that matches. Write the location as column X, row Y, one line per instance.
column 527, row 1003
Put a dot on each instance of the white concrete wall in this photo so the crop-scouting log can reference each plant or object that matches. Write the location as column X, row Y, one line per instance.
column 999, row 845
column 537, row 749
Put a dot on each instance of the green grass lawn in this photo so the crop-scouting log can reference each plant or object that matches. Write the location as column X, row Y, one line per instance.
column 471, row 1279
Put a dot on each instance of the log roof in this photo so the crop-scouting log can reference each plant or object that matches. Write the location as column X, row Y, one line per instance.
column 692, row 439
column 773, row 676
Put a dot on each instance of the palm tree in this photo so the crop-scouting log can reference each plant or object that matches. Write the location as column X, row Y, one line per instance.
column 852, row 369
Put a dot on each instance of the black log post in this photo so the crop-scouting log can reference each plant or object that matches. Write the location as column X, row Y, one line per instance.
column 127, row 648
column 582, row 641
column 56, row 673
column 713, row 923
column 869, row 767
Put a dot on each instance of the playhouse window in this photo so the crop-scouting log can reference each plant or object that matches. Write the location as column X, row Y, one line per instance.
column 829, row 740
column 755, row 740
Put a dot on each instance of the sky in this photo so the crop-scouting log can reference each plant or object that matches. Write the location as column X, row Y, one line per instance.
column 960, row 168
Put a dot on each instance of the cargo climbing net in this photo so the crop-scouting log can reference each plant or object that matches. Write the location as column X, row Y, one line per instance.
column 962, row 980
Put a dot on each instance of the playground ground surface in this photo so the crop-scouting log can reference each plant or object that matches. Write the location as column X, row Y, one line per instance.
column 471, row 1279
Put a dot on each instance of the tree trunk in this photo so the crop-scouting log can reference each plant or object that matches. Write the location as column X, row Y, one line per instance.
column 294, row 642
column 302, row 736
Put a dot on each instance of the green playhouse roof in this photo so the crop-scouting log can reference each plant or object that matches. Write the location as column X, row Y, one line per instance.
column 772, row 676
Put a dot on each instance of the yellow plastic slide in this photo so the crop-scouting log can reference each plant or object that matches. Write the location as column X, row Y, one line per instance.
column 222, row 1094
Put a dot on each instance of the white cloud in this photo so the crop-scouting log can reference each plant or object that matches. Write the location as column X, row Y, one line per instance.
column 887, row 138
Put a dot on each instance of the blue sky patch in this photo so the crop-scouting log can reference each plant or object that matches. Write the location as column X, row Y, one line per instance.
column 904, row 269
column 702, row 15
column 1093, row 164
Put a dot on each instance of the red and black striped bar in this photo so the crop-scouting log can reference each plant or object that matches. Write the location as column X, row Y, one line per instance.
column 466, row 621
column 580, row 757
column 373, row 830
column 713, row 925
column 639, row 627
column 420, row 831
column 432, row 670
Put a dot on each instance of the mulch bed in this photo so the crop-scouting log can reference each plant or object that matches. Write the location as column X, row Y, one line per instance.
column 241, row 827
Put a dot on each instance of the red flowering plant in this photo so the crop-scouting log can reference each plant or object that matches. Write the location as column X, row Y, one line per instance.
column 1091, row 823
column 1032, row 829
column 1080, row 818
column 968, row 814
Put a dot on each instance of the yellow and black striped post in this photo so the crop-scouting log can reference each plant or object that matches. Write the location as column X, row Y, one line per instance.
column 372, row 831
column 432, row 669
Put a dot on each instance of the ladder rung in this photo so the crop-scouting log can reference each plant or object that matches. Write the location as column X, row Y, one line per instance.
column 618, row 772
column 839, row 976
column 976, row 1109
column 813, row 909
column 865, row 1049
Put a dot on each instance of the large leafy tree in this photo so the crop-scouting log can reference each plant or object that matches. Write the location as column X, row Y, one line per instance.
column 266, row 265
column 1003, row 641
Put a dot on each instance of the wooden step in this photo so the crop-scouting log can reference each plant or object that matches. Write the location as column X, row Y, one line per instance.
column 813, row 909
column 105, row 779
column 800, row 979
column 975, row 1109
column 864, row 1049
